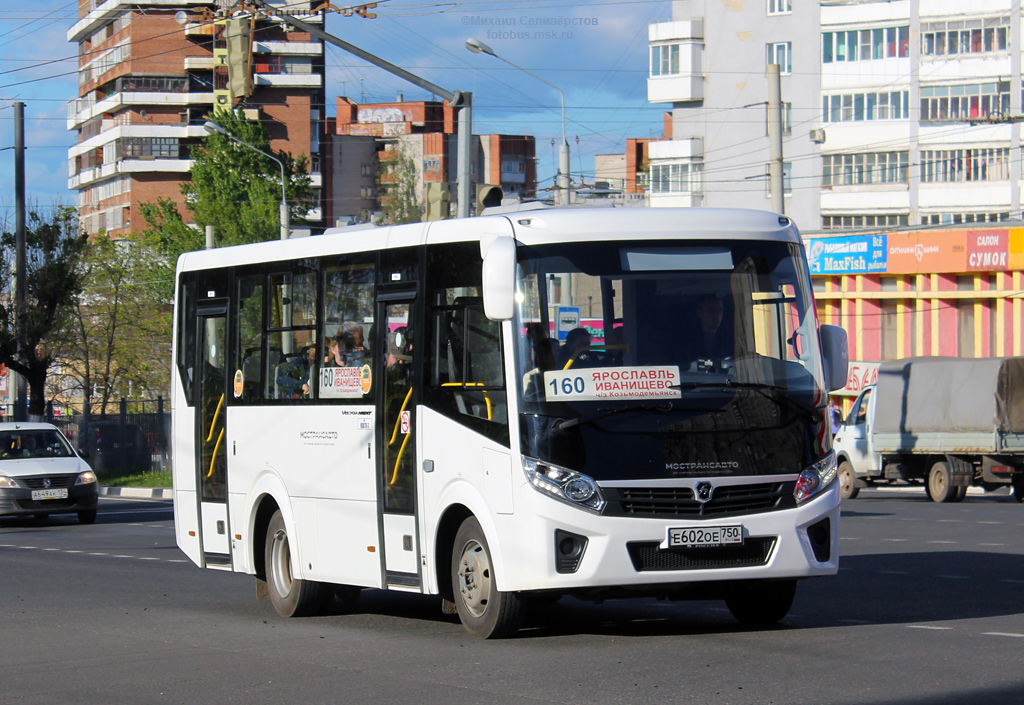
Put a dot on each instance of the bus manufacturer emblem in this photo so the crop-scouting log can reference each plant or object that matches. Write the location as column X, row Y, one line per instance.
column 703, row 491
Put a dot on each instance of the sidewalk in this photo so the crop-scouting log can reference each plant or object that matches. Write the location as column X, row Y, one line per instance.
column 137, row 492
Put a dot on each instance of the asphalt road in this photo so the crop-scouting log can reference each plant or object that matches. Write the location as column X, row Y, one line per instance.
column 928, row 609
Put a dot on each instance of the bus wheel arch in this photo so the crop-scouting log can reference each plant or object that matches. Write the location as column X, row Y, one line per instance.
column 484, row 610
column 265, row 510
column 444, row 541
column 291, row 596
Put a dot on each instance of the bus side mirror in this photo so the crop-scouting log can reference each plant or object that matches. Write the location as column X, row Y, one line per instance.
column 499, row 279
column 836, row 356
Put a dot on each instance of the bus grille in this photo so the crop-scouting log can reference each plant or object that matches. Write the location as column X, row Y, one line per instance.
column 670, row 502
column 646, row 556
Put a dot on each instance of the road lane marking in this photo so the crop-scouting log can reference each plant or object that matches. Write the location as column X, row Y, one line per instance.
column 926, row 626
column 1011, row 634
column 896, row 540
column 991, row 544
column 989, row 522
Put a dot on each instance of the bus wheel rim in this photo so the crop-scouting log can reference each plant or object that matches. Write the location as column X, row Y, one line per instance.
column 475, row 578
column 281, row 570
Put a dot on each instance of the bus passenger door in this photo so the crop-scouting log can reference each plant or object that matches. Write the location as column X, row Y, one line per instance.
column 396, row 444
column 211, row 436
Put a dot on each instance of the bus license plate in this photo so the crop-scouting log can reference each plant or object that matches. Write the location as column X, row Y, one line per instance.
column 50, row 494
column 706, row 536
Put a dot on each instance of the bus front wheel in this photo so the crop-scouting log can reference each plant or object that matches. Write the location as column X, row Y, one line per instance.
column 485, row 611
column 760, row 604
column 291, row 597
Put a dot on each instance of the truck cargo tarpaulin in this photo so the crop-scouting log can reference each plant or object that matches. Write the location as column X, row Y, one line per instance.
column 951, row 395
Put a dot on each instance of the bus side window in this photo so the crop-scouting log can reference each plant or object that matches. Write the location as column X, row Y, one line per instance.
column 292, row 362
column 464, row 371
column 249, row 331
column 346, row 329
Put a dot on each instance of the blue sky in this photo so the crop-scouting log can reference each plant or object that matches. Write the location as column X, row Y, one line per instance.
column 596, row 52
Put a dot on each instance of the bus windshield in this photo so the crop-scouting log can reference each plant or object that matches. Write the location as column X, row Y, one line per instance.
column 639, row 359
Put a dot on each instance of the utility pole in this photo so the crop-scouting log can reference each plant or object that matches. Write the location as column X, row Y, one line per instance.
column 775, row 161
column 456, row 99
column 21, row 394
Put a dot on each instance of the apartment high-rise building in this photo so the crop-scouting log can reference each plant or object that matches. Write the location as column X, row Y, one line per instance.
column 878, row 103
column 151, row 73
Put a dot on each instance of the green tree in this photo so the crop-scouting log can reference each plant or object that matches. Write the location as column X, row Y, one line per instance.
column 53, row 279
column 396, row 183
column 233, row 188
column 117, row 341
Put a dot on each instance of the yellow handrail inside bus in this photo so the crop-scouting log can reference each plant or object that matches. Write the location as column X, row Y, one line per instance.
column 398, row 459
column 398, row 421
column 213, row 458
column 487, row 399
column 215, row 415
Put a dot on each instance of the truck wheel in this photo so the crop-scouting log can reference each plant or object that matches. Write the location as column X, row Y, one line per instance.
column 760, row 604
column 961, row 492
column 847, row 481
column 291, row 597
column 940, row 485
column 485, row 611
column 1018, row 488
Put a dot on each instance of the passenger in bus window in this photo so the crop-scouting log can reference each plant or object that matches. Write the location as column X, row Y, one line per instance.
column 333, row 357
column 356, row 331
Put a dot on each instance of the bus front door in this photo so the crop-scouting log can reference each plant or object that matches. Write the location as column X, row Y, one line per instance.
column 211, row 437
column 396, row 444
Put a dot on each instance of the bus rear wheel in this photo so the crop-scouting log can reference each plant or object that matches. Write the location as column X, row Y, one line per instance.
column 485, row 611
column 760, row 604
column 291, row 596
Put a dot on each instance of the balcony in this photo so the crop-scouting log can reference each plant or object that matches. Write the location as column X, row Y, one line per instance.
column 677, row 61
column 128, row 166
column 292, row 48
column 293, row 80
column 77, row 114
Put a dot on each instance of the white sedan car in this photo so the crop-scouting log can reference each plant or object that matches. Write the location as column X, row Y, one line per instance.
column 40, row 474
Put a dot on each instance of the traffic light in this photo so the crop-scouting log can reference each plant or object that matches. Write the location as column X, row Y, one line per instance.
column 487, row 196
column 237, row 35
column 438, row 199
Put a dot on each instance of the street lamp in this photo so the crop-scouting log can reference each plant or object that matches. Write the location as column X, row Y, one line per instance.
column 477, row 47
column 212, row 127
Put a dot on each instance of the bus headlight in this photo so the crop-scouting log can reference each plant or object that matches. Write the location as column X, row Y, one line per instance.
column 567, row 485
column 816, row 478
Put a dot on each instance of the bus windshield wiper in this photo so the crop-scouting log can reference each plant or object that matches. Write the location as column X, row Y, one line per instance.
column 610, row 411
column 775, row 393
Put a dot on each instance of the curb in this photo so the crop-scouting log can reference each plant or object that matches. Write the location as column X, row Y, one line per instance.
column 137, row 492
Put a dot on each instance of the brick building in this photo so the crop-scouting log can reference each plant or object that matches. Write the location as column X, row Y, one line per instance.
column 150, row 74
column 426, row 131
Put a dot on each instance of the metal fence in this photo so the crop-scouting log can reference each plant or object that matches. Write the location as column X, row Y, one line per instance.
column 134, row 439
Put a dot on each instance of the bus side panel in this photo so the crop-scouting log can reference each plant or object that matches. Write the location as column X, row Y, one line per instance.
column 317, row 455
column 461, row 457
column 347, row 530
column 186, row 509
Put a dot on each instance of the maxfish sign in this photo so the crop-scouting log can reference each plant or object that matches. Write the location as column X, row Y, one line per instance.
column 857, row 254
column 603, row 383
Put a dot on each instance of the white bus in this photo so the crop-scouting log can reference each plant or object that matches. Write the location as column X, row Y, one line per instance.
column 508, row 408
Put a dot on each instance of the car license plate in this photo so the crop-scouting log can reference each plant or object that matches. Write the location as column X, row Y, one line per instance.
column 62, row 493
column 706, row 536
